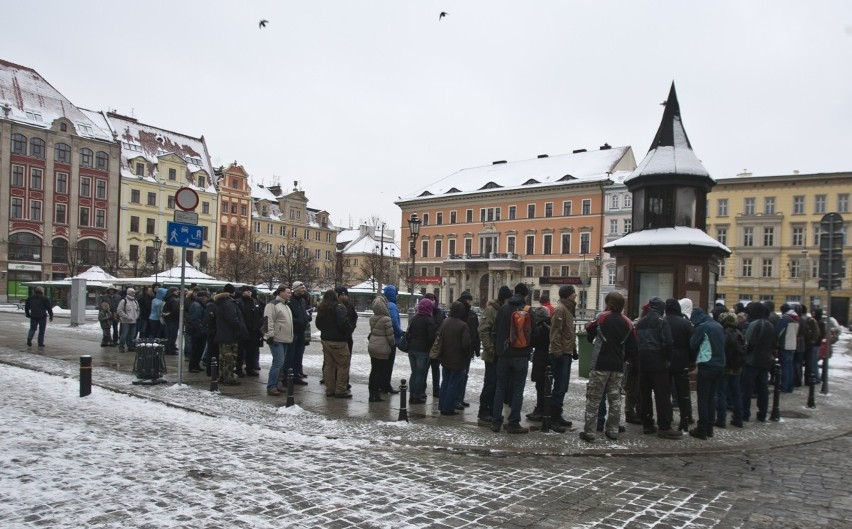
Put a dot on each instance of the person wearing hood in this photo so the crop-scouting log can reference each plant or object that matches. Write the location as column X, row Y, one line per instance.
column 729, row 387
column 171, row 317
column 128, row 313
column 435, row 364
column 486, row 334
column 380, row 342
column 421, row 336
column 472, row 320
column 155, row 326
column 708, row 344
column 680, row 360
column 454, row 355
column 390, row 295
column 563, row 346
column 760, row 357
column 195, row 330
column 38, row 309
column 112, row 297
column 655, row 351
column 230, row 329
column 787, row 329
column 512, row 365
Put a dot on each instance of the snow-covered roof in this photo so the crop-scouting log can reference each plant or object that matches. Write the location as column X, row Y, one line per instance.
column 550, row 170
column 368, row 244
column 677, row 236
column 29, row 99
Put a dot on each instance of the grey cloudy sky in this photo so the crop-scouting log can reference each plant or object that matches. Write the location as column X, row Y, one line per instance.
column 365, row 101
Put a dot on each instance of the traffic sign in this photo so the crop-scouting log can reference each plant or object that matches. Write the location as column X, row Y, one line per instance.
column 184, row 235
column 186, row 217
column 186, row 199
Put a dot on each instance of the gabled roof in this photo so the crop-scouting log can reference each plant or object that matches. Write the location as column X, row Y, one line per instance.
column 544, row 171
column 671, row 152
column 30, row 99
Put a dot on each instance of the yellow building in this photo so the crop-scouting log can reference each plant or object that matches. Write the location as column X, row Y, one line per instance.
column 772, row 226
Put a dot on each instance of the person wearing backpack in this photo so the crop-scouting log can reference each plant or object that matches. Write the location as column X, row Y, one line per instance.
column 808, row 335
column 541, row 358
column 128, row 312
column 735, row 353
column 655, row 350
column 708, row 344
column 513, row 346
column 760, row 357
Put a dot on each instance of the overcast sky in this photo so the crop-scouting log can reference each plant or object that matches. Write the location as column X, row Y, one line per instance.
column 366, row 101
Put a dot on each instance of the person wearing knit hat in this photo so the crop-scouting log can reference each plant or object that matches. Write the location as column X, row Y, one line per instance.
column 655, row 347
column 297, row 285
column 679, row 361
column 489, row 356
column 301, row 332
column 229, row 288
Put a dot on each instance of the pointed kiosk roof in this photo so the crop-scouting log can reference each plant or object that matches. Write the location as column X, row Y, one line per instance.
column 671, row 156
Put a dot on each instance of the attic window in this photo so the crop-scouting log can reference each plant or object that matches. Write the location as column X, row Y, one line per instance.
column 490, row 185
column 531, row 181
column 85, row 129
column 566, row 178
column 454, row 190
column 35, row 116
column 425, row 194
column 63, row 127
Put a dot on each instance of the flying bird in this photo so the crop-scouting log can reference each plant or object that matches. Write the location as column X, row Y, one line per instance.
column 442, row 15
column 262, row 24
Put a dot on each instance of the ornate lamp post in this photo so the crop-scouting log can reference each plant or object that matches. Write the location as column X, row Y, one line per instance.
column 414, row 227
column 158, row 243
column 804, row 271
column 598, row 287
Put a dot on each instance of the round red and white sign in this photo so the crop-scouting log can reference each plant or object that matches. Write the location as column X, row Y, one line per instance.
column 186, row 199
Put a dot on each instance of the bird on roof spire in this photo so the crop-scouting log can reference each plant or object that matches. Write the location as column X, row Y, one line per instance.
column 442, row 15
column 262, row 24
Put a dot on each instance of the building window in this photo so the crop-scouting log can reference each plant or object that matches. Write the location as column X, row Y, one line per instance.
column 610, row 273
column 205, row 208
column 439, row 218
column 545, row 271
column 843, row 203
column 530, row 211
column 510, row 244
column 769, row 236
column 746, row 267
column 530, row 244
column 798, row 205
column 548, row 209
column 424, row 249
column 585, row 240
column 226, row 207
column 133, row 252
column 307, row 235
column 748, row 208
column 438, row 248
column 62, row 183
column 748, row 236
column 767, row 267
column 722, row 207
column 566, row 208
column 37, row 148
column 170, row 202
column 769, row 206
column 100, row 218
column 152, row 199
column 35, row 210
column 86, row 157
column 234, row 208
column 452, row 217
column 24, row 247
column 795, row 268
column 819, row 204
column 565, row 271
column 613, row 202
column 36, row 178
column 149, row 226
column 134, row 224
column 529, row 271
column 566, row 243
column 61, row 214
column 102, row 161
column 84, row 216
column 628, row 225
column 201, row 182
column 85, row 186
column 722, row 268
column 62, row 153
column 468, row 246
column 547, row 247
column 235, row 184
column 294, row 232
column 628, row 200
column 425, row 219
column 17, row 210
column 613, row 226
column 135, row 196
column 469, row 215
column 100, row 189
column 451, row 247
column 513, row 212
column 17, row 176
column 19, row 144
column 140, row 169
column 172, row 173
column 798, row 236
column 223, row 231
column 722, row 235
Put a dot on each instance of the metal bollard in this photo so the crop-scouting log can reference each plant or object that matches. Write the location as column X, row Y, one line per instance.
column 214, row 374
column 548, row 394
column 776, row 393
column 290, row 400
column 824, row 389
column 811, row 390
column 403, row 411
column 85, row 375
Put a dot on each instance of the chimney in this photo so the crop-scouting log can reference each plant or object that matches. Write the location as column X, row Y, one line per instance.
column 576, row 151
column 498, row 162
column 744, row 174
column 606, row 147
column 542, row 156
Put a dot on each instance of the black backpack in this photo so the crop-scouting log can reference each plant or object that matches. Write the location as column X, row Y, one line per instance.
column 735, row 349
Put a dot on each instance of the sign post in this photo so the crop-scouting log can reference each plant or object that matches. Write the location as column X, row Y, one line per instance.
column 830, row 259
column 184, row 234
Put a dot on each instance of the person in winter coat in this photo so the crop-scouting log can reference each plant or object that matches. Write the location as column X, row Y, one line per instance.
column 379, row 345
column 230, row 328
column 278, row 322
column 562, row 348
column 454, row 356
column 301, row 320
column 249, row 348
column 112, row 297
column 155, row 326
column 144, row 299
column 171, row 315
column 473, row 328
column 38, row 309
column 614, row 339
column 760, row 357
column 735, row 352
column 421, row 335
column 390, row 294
column 105, row 319
column 680, row 360
column 335, row 332
column 512, row 365
column 435, row 364
column 128, row 313
column 812, row 342
column 541, row 358
column 710, row 370
column 489, row 357
column 655, row 350
column 195, row 330
column 787, row 329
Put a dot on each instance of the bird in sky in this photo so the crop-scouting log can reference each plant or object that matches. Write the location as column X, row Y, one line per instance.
column 262, row 24
column 442, row 15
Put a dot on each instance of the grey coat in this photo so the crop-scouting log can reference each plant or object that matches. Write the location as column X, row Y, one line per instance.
column 381, row 339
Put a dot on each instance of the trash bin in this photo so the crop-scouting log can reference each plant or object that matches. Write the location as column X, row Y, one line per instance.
column 150, row 362
column 584, row 350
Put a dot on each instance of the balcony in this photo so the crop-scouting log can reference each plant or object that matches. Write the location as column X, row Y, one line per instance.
column 485, row 256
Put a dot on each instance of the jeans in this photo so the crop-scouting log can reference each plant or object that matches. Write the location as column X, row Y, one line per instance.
column 419, row 362
column 811, row 365
column 680, row 386
column 462, row 387
column 171, row 338
column 511, row 377
column 435, row 365
column 279, row 355
column 489, row 387
column 450, row 385
column 141, row 327
column 378, row 372
column 786, row 357
column 114, row 325
column 297, row 348
column 128, row 331
column 561, row 374
column 757, row 380
column 729, row 383
column 707, row 384
column 41, row 325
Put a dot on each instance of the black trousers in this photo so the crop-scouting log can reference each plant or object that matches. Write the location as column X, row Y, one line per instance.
column 658, row 382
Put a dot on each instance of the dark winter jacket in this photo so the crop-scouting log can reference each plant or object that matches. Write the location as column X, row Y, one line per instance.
column 760, row 340
column 455, row 339
column 230, row 328
column 252, row 314
column 38, row 306
column 144, row 304
column 334, row 326
column 195, row 321
column 787, row 329
column 655, row 338
column 541, row 342
column 171, row 309
column 421, row 333
column 706, row 325
column 112, row 299
column 681, row 330
column 735, row 346
column 299, row 308
column 614, row 339
column 501, row 329
column 473, row 329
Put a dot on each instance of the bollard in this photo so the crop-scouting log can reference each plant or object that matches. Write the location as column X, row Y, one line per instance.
column 214, row 373
column 811, row 390
column 85, row 375
column 548, row 394
column 403, row 411
column 776, row 393
column 824, row 389
column 290, row 400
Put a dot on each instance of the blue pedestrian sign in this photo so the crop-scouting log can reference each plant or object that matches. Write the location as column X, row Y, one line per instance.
column 185, row 235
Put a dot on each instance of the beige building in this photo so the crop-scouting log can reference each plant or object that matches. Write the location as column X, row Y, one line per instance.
column 368, row 253
column 772, row 226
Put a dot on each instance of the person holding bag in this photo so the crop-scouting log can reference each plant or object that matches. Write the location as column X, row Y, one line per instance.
column 379, row 345
column 421, row 336
column 452, row 347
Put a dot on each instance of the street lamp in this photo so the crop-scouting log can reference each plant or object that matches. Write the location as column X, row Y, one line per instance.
column 414, row 227
column 598, row 287
column 158, row 243
column 804, row 271
column 584, row 279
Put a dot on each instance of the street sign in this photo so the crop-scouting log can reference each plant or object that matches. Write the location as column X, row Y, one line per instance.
column 830, row 252
column 184, row 235
column 186, row 198
column 186, row 217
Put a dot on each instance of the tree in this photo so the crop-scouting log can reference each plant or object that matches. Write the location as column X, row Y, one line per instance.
column 114, row 261
column 378, row 268
column 239, row 261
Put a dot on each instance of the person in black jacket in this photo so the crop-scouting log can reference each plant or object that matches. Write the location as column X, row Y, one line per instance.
column 171, row 315
column 249, row 349
column 230, row 328
column 679, row 362
column 473, row 328
column 435, row 364
column 38, row 309
column 335, row 334
column 512, row 365
column 421, row 335
column 655, row 350
column 301, row 320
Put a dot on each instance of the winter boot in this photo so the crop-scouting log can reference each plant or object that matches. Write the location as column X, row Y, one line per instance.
column 535, row 416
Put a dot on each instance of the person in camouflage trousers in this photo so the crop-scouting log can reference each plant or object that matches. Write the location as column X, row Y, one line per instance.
column 614, row 339
column 230, row 328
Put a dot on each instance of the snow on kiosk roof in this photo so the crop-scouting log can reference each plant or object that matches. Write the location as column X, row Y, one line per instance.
column 677, row 236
